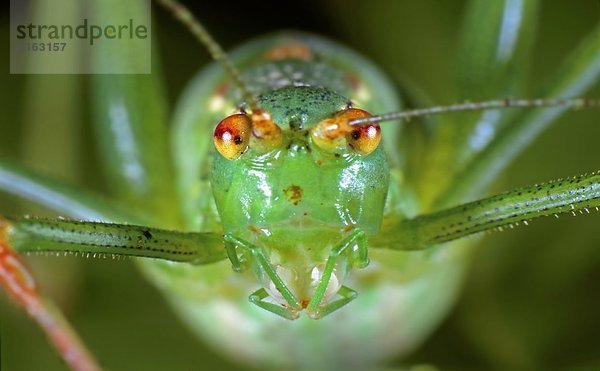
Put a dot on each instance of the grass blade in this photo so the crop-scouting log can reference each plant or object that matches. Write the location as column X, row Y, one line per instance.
column 580, row 72
column 58, row 196
column 131, row 117
column 493, row 54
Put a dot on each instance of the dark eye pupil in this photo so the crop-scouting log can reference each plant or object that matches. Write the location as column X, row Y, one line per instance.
column 237, row 140
column 355, row 135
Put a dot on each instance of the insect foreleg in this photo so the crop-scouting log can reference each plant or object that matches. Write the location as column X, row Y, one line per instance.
column 92, row 239
column 577, row 194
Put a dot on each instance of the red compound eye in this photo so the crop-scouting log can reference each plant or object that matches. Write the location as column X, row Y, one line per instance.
column 365, row 138
column 232, row 135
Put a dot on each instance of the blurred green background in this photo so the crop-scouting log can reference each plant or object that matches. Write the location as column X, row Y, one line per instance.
column 531, row 300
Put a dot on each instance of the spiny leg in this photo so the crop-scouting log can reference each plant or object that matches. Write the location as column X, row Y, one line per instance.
column 32, row 235
column 86, row 238
column 578, row 194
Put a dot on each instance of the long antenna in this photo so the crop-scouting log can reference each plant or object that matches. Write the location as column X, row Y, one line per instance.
column 468, row 106
column 183, row 15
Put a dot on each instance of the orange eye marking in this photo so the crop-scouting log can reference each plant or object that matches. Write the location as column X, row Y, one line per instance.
column 291, row 50
column 336, row 132
column 232, row 135
column 266, row 133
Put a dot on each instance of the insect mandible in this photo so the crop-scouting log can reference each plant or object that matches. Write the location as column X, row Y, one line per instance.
column 384, row 128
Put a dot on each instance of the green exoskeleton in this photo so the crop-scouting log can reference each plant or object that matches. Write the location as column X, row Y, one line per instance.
column 344, row 257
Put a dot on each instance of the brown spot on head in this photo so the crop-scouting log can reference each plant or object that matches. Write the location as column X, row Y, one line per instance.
column 293, row 194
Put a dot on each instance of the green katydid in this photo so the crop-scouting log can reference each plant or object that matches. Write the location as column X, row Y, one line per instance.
column 422, row 231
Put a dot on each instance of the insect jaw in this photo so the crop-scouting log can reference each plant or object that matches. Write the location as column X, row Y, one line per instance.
column 318, row 290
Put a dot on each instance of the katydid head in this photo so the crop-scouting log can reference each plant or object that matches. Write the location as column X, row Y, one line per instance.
column 301, row 118
column 298, row 188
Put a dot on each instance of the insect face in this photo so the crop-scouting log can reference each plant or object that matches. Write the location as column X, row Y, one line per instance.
column 274, row 184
